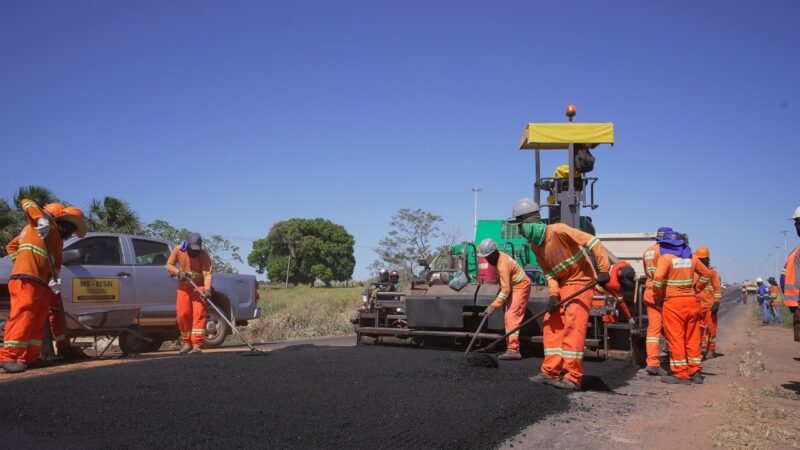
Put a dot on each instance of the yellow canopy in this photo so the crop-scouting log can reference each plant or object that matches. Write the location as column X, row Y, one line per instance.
column 558, row 136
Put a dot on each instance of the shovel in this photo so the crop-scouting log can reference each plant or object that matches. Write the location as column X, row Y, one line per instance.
column 253, row 351
column 482, row 358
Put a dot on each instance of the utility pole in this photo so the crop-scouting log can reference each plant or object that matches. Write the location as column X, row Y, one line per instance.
column 475, row 211
column 777, row 255
column 785, row 232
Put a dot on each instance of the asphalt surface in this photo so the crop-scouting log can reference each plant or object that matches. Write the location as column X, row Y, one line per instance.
column 303, row 396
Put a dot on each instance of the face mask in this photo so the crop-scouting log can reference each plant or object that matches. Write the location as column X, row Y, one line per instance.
column 192, row 253
column 534, row 232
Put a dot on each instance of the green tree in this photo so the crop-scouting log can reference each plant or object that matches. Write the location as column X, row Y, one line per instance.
column 319, row 250
column 223, row 253
column 112, row 215
column 412, row 234
column 8, row 225
column 39, row 194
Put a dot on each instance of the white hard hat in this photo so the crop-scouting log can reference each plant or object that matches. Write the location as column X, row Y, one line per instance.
column 487, row 247
column 523, row 209
column 759, row 280
column 796, row 214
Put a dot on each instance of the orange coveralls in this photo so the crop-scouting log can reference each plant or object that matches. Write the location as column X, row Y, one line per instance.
column 567, row 268
column 514, row 283
column 55, row 315
column 791, row 280
column 649, row 259
column 614, row 289
column 674, row 282
column 708, row 296
column 190, row 305
column 34, row 262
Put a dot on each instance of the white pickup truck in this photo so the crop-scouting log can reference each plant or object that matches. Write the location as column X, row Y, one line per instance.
column 117, row 271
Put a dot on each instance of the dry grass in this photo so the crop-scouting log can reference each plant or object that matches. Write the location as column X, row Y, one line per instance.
column 298, row 312
column 756, row 418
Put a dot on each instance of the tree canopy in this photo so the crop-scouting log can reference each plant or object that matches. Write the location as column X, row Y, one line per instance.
column 318, row 248
column 112, row 215
column 412, row 234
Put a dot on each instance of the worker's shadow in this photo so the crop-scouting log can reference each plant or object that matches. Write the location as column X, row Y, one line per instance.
column 792, row 386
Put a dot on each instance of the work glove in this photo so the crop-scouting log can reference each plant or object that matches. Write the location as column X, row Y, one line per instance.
column 631, row 321
column 183, row 275
column 489, row 310
column 659, row 301
column 55, row 285
column 603, row 278
column 42, row 227
column 715, row 307
column 208, row 293
column 552, row 304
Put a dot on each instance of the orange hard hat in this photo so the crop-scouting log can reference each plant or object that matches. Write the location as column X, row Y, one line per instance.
column 75, row 216
column 702, row 252
column 54, row 209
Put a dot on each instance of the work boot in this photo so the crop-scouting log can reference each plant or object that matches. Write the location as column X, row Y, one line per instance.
column 672, row 379
column 195, row 350
column 697, row 378
column 711, row 355
column 13, row 366
column 185, row 348
column 566, row 384
column 510, row 355
column 544, row 379
column 656, row 371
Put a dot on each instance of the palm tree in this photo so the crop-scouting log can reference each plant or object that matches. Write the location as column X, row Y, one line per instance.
column 113, row 215
column 9, row 225
column 39, row 194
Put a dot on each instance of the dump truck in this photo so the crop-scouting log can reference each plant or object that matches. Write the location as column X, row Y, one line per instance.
column 430, row 313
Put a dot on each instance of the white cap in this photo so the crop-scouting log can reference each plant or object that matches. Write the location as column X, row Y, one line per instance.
column 759, row 280
column 796, row 214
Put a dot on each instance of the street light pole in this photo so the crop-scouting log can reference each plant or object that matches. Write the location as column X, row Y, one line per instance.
column 785, row 232
column 777, row 254
column 475, row 210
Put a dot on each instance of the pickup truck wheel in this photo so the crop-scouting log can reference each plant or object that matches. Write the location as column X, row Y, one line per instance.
column 131, row 343
column 155, row 345
column 216, row 329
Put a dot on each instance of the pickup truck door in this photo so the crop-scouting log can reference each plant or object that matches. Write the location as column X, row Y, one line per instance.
column 155, row 289
column 100, row 279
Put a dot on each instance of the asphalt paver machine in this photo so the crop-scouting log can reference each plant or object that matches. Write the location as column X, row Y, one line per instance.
column 433, row 314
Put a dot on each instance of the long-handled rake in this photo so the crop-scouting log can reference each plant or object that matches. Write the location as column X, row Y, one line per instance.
column 253, row 350
column 482, row 357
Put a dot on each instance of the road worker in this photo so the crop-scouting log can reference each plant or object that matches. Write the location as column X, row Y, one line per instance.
column 620, row 288
column 763, row 302
column 744, row 295
column 709, row 302
column 34, row 277
column 654, row 325
column 675, row 291
column 394, row 278
column 562, row 253
column 775, row 299
column 190, row 261
column 790, row 276
column 515, row 288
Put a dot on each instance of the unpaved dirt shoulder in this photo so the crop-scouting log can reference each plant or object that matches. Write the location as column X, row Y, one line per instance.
column 758, row 374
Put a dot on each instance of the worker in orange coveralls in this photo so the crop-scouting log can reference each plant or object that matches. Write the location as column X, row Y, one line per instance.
column 709, row 302
column 621, row 288
column 514, row 286
column 55, row 316
column 675, row 290
column 37, row 259
column 190, row 262
column 654, row 327
column 562, row 253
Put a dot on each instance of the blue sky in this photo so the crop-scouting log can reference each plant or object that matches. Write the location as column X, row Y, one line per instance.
column 225, row 117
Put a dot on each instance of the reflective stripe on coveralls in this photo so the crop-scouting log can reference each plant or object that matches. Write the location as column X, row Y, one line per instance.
column 26, row 320
column 652, row 341
column 191, row 311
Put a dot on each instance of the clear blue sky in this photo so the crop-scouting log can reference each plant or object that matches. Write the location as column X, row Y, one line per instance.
column 225, row 117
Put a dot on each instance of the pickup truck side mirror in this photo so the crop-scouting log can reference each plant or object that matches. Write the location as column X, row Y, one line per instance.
column 71, row 256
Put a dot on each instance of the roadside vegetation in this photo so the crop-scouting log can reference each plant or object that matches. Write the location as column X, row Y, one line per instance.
column 304, row 312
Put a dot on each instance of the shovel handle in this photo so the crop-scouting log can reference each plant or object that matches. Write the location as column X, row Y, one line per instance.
column 477, row 332
column 535, row 317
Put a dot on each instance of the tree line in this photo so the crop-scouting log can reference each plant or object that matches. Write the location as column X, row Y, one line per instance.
column 298, row 251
